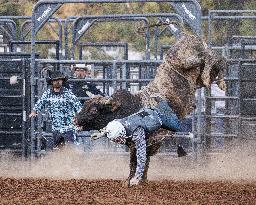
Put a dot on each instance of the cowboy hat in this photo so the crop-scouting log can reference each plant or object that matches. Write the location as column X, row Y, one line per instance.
column 56, row 75
column 82, row 67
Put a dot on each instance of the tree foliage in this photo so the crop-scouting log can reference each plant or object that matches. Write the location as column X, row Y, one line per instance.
column 127, row 31
column 9, row 8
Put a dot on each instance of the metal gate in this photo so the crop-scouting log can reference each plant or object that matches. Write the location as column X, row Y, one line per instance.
column 14, row 103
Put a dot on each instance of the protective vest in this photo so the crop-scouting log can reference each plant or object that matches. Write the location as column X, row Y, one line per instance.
column 145, row 118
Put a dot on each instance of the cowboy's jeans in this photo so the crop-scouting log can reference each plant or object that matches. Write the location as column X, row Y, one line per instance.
column 169, row 118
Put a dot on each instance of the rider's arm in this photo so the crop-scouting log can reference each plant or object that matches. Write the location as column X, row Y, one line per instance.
column 139, row 139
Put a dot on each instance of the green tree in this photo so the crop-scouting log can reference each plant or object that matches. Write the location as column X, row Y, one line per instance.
column 9, row 8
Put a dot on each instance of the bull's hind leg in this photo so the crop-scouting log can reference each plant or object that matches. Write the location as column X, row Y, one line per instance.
column 151, row 150
column 133, row 161
column 154, row 148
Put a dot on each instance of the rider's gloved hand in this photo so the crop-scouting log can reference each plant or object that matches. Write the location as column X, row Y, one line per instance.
column 97, row 135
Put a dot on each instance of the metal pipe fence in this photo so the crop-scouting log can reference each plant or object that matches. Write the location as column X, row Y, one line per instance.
column 115, row 82
column 104, row 44
column 26, row 28
column 230, row 15
column 11, row 28
column 42, row 42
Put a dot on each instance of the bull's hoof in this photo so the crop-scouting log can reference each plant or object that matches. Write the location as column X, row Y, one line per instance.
column 181, row 152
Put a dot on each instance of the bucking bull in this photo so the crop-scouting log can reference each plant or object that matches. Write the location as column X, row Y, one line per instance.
column 188, row 65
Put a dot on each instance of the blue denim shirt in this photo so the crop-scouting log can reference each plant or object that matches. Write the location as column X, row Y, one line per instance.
column 61, row 106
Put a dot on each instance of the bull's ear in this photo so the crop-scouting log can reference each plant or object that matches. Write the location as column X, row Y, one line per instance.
column 86, row 103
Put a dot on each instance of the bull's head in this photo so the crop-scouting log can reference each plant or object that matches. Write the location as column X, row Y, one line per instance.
column 214, row 70
column 97, row 112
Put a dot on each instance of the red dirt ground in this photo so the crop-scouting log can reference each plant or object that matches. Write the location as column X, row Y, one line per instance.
column 35, row 191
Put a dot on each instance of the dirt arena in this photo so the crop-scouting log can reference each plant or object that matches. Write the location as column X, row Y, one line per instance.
column 79, row 191
column 71, row 176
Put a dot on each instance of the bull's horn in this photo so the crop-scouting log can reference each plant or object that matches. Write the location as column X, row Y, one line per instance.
column 89, row 94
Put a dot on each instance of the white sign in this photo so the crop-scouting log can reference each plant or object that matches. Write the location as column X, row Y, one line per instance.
column 45, row 13
column 84, row 28
column 188, row 12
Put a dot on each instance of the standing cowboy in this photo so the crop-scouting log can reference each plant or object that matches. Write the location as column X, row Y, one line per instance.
column 62, row 105
column 83, row 88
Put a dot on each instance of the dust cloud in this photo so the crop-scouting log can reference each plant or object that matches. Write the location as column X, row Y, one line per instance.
column 236, row 164
column 68, row 163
